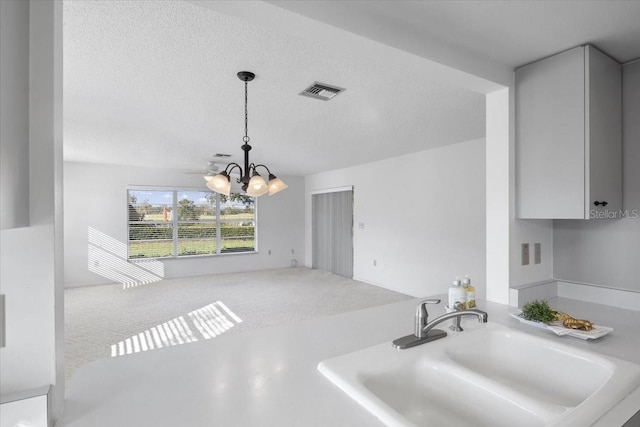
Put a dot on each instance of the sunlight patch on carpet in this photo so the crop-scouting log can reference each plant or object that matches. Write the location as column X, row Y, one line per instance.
column 209, row 321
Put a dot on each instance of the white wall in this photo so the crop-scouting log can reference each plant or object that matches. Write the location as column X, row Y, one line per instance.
column 497, row 189
column 531, row 231
column 31, row 256
column 14, row 105
column 96, row 196
column 424, row 226
column 525, row 230
column 606, row 252
column 505, row 234
column 28, row 359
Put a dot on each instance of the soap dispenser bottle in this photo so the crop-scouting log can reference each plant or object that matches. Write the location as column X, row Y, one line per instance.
column 470, row 292
column 457, row 294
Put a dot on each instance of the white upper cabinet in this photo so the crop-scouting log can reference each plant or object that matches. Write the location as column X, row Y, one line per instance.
column 568, row 156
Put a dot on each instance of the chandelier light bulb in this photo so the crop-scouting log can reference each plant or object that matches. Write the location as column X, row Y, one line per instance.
column 220, row 183
column 275, row 184
column 257, row 186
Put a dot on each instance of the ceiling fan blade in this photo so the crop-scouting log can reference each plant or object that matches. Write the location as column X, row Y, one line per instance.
column 211, row 169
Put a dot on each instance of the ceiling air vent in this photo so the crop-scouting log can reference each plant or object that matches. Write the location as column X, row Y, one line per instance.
column 321, row 91
column 222, row 156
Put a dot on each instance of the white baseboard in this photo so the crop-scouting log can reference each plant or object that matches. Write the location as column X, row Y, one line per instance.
column 621, row 298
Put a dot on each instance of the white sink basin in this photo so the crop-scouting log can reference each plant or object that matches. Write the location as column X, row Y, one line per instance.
column 488, row 376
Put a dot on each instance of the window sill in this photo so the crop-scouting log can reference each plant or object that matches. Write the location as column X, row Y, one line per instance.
column 164, row 259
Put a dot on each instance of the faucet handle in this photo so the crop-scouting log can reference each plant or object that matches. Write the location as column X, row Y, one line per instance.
column 421, row 311
column 422, row 314
column 458, row 306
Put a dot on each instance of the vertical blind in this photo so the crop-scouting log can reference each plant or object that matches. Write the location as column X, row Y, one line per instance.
column 332, row 235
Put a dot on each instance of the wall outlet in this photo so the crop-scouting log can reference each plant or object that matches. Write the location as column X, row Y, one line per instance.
column 525, row 254
column 3, row 319
column 537, row 253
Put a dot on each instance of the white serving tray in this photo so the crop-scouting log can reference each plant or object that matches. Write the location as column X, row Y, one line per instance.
column 559, row 329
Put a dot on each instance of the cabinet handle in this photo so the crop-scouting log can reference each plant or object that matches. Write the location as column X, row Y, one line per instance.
column 602, row 203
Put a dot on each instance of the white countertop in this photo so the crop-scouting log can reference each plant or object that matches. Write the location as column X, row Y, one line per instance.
column 269, row 377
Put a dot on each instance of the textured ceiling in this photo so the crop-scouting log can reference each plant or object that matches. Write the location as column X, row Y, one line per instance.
column 154, row 84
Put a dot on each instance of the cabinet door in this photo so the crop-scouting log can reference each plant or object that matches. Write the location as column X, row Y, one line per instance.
column 604, row 136
column 550, row 137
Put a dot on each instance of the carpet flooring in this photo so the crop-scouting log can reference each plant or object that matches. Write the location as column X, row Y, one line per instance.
column 109, row 320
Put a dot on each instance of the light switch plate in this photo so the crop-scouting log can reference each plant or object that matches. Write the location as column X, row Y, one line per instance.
column 537, row 253
column 525, row 254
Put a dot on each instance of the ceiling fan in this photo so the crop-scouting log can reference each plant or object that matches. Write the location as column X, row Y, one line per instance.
column 211, row 169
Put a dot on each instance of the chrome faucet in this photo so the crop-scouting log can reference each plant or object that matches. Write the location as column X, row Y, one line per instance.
column 457, row 315
column 424, row 330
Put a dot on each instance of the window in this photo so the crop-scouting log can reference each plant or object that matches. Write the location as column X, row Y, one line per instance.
column 175, row 223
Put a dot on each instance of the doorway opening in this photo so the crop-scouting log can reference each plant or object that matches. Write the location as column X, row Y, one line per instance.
column 332, row 231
